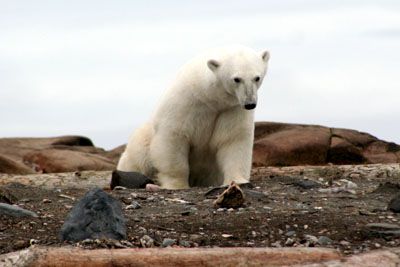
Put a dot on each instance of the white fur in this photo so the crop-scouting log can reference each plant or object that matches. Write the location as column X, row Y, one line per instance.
column 201, row 134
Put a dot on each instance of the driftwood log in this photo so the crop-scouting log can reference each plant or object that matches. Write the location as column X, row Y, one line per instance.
column 70, row 256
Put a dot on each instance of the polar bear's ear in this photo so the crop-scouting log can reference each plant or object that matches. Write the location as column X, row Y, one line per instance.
column 213, row 64
column 265, row 56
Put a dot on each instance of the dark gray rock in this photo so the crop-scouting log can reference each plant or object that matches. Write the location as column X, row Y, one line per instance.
column 383, row 229
column 96, row 215
column 15, row 211
column 306, row 184
column 394, row 204
column 167, row 242
column 129, row 179
column 324, row 240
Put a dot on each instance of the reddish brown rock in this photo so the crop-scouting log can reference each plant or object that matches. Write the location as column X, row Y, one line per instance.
column 280, row 144
column 57, row 154
column 53, row 160
column 342, row 151
column 284, row 145
column 8, row 165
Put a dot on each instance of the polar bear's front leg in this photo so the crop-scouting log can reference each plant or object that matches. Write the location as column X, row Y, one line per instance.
column 235, row 160
column 169, row 156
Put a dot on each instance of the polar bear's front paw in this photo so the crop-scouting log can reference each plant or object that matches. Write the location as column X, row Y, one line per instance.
column 173, row 183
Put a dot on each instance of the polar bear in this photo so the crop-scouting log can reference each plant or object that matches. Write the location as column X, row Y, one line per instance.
column 202, row 131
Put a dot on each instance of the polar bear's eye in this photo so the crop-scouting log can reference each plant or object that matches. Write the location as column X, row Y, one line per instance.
column 237, row 80
column 257, row 78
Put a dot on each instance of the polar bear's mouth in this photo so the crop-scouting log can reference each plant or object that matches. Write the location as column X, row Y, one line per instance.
column 250, row 106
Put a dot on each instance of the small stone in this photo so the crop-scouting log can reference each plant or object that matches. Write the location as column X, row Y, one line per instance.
column 289, row 242
column 221, row 209
column 253, row 233
column 307, row 184
column 394, row 204
column 167, row 242
column 152, row 187
column 324, row 240
column 20, row 244
column 276, row 244
column 344, row 243
column 151, row 198
column 305, row 227
column 195, row 237
column 226, row 236
column 377, row 245
column 146, row 241
column 311, row 238
column 134, row 195
column 15, row 211
column 290, row 233
column 118, row 187
column 46, row 200
column 184, row 243
column 185, row 213
column 142, row 230
column 133, row 206
column 230, row 210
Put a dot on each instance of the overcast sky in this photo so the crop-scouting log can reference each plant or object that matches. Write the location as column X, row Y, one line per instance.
column 97, row 68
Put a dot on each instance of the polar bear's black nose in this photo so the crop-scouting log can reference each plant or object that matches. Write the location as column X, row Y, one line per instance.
column 250, row 106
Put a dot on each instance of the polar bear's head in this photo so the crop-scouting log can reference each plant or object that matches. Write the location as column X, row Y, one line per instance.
column 240, row 73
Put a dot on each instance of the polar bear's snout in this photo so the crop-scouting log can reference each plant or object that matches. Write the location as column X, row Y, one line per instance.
column 250, row 106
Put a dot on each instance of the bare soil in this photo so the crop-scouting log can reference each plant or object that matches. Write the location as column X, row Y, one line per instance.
column 288, row 215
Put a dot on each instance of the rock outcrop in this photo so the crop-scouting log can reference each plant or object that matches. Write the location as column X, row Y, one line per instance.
column 282, row 144
column 48, row 155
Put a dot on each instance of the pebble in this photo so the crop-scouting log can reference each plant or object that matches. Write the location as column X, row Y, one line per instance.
column 221, row 209
column 185, row 213
column 344, row 243
column 45, row 200
column 15, row 211
column 324, row 240
column 167, row 242
column 290, row 233
column 276, row 244
column 118, row 187
column 133, row 206
column 307, row 184
column 146, row 241
column 226, row 236
column 289, row 242
column 184, row 243
column 152, row 187
column 311, row 238
column 394, row 204
column 142, row 230
column 195, row 237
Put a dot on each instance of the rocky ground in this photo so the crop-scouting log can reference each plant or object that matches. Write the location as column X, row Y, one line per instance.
column 340, row 207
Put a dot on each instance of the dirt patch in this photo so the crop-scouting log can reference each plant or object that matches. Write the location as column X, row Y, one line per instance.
column 287, row 214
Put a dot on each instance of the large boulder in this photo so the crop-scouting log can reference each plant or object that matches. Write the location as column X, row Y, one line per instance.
column 56, row 154
column 283, row 144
